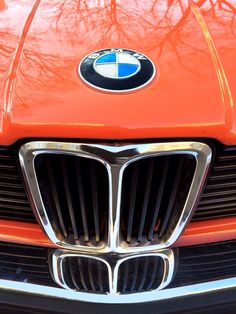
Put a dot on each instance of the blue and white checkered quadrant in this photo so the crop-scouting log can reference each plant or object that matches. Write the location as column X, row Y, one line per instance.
column 117, row 65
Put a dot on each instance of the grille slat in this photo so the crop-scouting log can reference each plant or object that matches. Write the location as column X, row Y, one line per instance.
column 153, row 274
column 56, row 198
column 82, row 202
column 218, row 193
column 15, row 192
column 132, row 203
column 224, row 176
column 99, row 270
column 164, row 222
column 72, row 274
column 125, row 276
column 144, row 275
column 95, row 201
column 69, row 200
column 135, row 274
column 4, row 212
column 7, row 167
column 224, row 167
column 81, row 274
column 10, row 185
column 154, row 192
column 213, row 200
column 159, row 198
column 146, row 199
column 215, row 207
column 91, row 277
column 15, row 200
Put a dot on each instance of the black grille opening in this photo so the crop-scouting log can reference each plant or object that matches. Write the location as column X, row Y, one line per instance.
column 208, row 262
column 75, row 194
column 218, row 199
column 25, row 263
column 140, row 274
column 154, row 192
column 14, row 204
column 86, row 274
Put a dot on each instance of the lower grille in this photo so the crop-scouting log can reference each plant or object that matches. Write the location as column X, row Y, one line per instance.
column 206, row 262
column 154, row 193
column 219, row 195
column 140, row 274
column 86, row 274
column 24, row 263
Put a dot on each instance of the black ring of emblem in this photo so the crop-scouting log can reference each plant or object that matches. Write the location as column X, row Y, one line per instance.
column 94, row 79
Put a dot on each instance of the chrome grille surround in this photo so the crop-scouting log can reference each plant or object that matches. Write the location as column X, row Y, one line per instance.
column 115, row 158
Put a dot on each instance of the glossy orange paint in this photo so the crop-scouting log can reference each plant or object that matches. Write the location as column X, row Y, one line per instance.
column 26, row 233
column 214, row 230
column 196, row 233
column 192, row 44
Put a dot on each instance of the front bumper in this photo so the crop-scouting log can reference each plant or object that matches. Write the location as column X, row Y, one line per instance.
column 218, row 302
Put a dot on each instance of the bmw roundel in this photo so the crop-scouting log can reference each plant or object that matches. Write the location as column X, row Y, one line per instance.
column 116, row 70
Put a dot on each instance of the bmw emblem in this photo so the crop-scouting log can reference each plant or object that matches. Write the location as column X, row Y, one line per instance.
column 116, row 70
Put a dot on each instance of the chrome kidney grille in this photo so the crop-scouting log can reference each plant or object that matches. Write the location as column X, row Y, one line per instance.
column 75, row 193
column 112, row 275
column 114, row 210
column 101, row 198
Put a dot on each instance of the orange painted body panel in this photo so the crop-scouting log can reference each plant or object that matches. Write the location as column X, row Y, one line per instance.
column 191, row 43
column 193, row 48
column 20, row 232
column 201, row 232
column 196, row 232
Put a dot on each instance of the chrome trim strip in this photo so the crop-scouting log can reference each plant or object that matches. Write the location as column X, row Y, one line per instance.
column 113, row 263
column 115, row 158
column 166, row 294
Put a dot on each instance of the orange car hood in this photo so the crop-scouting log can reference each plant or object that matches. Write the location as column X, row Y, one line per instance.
column 192, row 45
